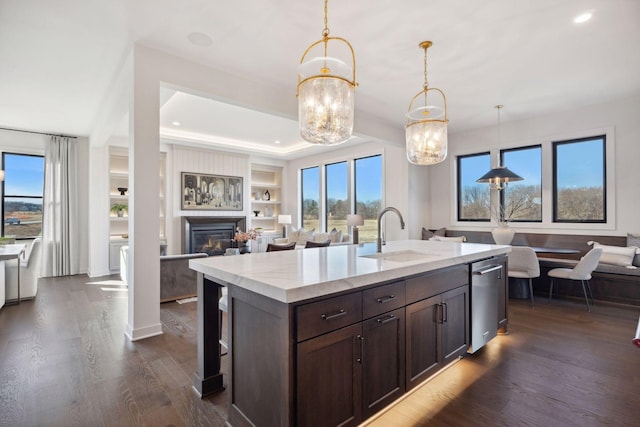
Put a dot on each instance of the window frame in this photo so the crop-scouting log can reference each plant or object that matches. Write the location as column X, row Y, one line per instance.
column 502, row 193
column 326, row 192
column 5, row 196
column 319, row 200
column 351, row 186
column 554, row 177
column 459, row 205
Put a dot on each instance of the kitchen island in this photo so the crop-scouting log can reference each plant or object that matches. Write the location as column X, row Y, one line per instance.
column 331, row 335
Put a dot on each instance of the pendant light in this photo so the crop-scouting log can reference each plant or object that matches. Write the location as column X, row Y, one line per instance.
column 326, row 92
column 426, row 129
column 498, row 178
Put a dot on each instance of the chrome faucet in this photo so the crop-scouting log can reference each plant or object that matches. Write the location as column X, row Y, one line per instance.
column 385, row 210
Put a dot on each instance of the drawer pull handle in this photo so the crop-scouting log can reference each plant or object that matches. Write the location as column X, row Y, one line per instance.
column 386, row 299
column 334, row 315
column 387, row 319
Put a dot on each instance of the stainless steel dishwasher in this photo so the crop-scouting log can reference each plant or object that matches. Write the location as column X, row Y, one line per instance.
column 486, row 277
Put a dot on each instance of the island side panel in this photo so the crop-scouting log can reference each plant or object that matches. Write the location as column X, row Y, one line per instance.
column 208, row 378
column 261, row 349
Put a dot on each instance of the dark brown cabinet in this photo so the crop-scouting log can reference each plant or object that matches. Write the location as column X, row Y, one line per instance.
column 437, row 331
column 339, row 359
column 383, row 348
column 330, row 378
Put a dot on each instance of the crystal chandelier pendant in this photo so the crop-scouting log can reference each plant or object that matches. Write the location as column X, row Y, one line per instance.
column 326, row 93
column 325, row 110
column 426, row 129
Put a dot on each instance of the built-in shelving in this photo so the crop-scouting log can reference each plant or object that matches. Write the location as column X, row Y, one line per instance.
column 119, row 225
column 266, row 179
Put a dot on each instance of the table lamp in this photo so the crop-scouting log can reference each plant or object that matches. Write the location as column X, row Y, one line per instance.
column 354, row 221
column 284, row 220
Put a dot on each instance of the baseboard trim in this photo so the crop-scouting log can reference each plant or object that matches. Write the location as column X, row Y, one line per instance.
column 142, row 333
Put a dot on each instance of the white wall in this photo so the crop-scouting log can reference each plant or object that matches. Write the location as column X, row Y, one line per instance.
column 202, row 161
column 621, row 119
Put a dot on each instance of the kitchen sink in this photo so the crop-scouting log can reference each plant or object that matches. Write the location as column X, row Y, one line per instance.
column 402, row 256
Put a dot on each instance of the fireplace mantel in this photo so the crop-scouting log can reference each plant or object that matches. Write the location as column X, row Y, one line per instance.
column 209, row 234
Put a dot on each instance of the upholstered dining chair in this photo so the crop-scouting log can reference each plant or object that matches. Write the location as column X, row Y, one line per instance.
column 582, row 271
column 310, row 244
column 523, row 264
column 272, row 247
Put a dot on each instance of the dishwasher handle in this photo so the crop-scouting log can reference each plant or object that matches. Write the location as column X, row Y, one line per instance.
column 488, row 270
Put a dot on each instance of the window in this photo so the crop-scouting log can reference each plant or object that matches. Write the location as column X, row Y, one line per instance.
column 474, row 198
column 332, row 191
column 23, row 188
column 310, row 182
column 337, row 204
column 579, row 177
column 522, row 200
column 368, row 195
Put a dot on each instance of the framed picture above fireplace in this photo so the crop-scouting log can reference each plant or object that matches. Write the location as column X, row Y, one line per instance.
column 211, row 192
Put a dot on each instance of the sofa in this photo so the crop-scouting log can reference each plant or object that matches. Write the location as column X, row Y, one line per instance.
column 301, row 236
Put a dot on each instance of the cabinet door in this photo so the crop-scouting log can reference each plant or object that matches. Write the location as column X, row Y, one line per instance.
column 383, row 349
column 454, row 337
column 422, row 333
column 330, row 379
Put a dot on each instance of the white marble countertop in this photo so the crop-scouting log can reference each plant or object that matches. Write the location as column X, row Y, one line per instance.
column 296, row 275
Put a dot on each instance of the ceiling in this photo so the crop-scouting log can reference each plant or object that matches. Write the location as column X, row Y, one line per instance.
column 60, row 58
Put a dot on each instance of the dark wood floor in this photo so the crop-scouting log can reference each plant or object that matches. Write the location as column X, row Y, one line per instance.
column 64, row 360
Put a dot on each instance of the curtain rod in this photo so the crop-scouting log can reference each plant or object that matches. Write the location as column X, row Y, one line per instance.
column 39, row 133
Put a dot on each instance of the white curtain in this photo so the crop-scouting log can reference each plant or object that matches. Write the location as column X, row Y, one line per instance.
column 60, row 234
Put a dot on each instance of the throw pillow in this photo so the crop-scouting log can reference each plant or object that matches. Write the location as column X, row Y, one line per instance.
column 428, row 234
column 320, row 237
column 441, row 232
column 437, row 238
column 335, row 236
column 304, row 235
column 294, row 234
column 633, row 239
column 616, row 255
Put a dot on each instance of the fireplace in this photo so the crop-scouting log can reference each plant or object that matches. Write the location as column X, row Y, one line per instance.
column 209, row 234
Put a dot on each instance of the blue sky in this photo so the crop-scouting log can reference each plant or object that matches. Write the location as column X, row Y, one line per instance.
column 368, row 180
column 579, row 165
column 24, row 175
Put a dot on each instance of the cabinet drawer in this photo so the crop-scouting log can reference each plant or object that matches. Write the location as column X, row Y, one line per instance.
column 436, row 282
column 324, row 316
column 382, row 299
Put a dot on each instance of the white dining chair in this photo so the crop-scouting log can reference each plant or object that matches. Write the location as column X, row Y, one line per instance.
column 582, row 272
column 523, row 264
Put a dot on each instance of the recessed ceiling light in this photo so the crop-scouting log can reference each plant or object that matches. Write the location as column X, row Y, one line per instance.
column 175, row 123
column 583, row 17
column 200, row 39
column 276, row 142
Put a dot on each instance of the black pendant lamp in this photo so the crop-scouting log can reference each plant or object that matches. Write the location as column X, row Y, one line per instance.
column 498, row 178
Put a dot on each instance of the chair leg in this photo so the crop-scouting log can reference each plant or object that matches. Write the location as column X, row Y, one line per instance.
column 590, row 293
column 550, row 290
column 531, row 290
column 586, row 298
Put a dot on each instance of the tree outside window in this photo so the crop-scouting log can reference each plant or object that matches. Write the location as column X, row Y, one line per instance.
column 522, row 200
column 474, row 198
column 310, row 181
column 579, row 180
